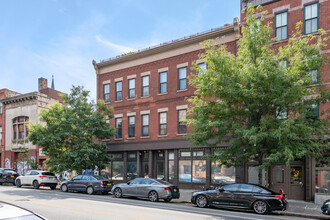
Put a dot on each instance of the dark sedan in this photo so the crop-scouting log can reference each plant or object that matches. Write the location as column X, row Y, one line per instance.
column 242, row 196
column 8, row 176
column 87, row 183
column 326, row 207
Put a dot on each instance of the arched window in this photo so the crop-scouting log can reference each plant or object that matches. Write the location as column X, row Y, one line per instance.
column 20, row 130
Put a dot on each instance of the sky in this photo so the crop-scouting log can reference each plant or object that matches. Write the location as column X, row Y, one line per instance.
column 41, row 38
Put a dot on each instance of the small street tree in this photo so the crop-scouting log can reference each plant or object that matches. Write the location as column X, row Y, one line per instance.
column 70, row 134
column 264, row 100
column 24, row 161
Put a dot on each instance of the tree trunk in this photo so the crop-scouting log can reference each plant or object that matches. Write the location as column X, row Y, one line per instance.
column 260, row 160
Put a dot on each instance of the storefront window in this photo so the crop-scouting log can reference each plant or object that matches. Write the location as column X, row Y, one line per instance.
column 222, row 175
column 117, row 170
column 199, row 171
column 185, row 171
column 322, row 176
column 131, row 170
column 253, row 176
column 171, row 167
column 160, row 170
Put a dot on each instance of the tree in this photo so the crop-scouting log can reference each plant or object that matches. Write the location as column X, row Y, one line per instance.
column 262, row 100
column 70, row 134
column 25, row 160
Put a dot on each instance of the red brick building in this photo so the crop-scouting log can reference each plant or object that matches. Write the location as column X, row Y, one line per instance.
column 16, row 111
column 148, row 90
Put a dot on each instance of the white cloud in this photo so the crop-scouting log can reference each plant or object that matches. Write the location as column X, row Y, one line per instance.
column 120, row 48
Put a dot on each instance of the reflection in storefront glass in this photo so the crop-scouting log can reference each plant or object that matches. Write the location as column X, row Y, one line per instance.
column 117, row 170
column 199, row 171
column 160, row 170
column 185, row 171
column 131, row 170
column 171, row 171
column 322, row 175
column 222, row 175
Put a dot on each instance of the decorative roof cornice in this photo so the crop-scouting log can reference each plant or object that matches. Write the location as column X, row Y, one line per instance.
column 20, row 98
column 197, row 38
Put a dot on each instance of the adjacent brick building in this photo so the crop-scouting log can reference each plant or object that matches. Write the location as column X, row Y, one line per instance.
column 17, row 111
column 148, row 90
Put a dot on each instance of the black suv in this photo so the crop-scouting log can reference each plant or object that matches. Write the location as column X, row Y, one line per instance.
column 8, row 176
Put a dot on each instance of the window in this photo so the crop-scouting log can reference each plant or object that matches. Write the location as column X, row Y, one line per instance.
column 119, row 128
column 106, row 93
column 145, row 86
column 118, row 170
column 145, row 125
column 163, row 82
column 0, row 107
column 222, row 174
column 182, row 78
column 119, row 91
column 131, row 126
column 135, row 181
column 182, row 123
column 246, row 188
column 162, row 123
column 171, row 166
column 281, row 25
column 313, row 74
column 312, row 112
column 311, row 18
column 131, row 88
column 20, row 130
column 232, row 187
column 201, row 68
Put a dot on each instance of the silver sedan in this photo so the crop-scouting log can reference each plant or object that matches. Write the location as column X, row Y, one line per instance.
column 147, row 188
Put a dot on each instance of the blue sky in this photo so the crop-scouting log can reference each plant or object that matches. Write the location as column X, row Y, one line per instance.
column 41, row 38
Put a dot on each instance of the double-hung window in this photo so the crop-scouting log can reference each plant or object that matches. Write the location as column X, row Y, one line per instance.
column 163, row 82
column 281, row 26
column 182, row 84
column 312, row 112
column 162, row 123
column 182, row 123
column 145, row 86
column 145, row 125
column 201, row 68
column 119, row 133
column 311, row 18
column 131, row 126
column 106, row 93
column 119, row 91
column 131, row 88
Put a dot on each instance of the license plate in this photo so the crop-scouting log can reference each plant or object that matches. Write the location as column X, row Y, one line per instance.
column 12, row 176
column 108, row 184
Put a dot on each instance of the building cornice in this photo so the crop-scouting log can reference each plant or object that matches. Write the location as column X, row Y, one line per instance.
column 20, row 98
column 193, row 39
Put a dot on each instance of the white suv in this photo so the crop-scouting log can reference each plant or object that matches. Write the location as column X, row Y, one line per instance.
column 37, row 178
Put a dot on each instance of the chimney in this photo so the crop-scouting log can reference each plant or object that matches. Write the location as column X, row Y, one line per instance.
column 53, row 85
column 42, row 83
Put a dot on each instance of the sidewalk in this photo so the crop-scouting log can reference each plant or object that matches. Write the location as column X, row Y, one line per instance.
column 296, row 207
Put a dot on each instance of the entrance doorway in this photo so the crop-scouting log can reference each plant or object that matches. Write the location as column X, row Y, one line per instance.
column 297, row 183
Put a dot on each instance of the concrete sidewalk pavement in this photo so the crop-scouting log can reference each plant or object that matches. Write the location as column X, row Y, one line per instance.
column 296, row 207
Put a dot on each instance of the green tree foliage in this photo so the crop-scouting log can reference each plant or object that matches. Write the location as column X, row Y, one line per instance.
column 70, row 134
column 243, row 99
column 24, row 159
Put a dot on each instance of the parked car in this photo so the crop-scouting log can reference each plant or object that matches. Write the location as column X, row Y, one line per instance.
column 87, row 183
column 326, row 207
column 10, row 211
column 37, row 178
column 243, row 196
column 8, row 176
column 147, row 188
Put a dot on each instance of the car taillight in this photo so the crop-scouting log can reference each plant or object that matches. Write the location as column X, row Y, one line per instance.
column 279, row 197
column 167, row 188
column 42, row 176
column 102, row 183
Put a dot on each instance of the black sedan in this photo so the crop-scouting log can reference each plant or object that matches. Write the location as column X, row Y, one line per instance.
column 242, row 196
column 326, row 207
column 8, row 176
column 87, row 183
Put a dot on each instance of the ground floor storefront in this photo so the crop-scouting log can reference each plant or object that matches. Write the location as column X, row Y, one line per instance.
column 177, row 162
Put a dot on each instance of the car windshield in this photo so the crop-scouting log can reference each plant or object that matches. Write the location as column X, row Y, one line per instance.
column 10, row 171
column 48, row 174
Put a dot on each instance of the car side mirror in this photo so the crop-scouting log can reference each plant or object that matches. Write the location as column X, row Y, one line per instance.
column 221, row 190
column 128, row 183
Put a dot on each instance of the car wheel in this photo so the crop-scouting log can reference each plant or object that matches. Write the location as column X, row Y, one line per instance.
column 18, row 183
column 64, row 188
column 118, row 193
column 90, row 190
column 153, row 196
column 167, row 200
column 53, row 187
column 260, row 207
column 201, row 201
column 35, row 184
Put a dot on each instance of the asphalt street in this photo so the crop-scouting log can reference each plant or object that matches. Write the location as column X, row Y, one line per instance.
column 54, row 204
